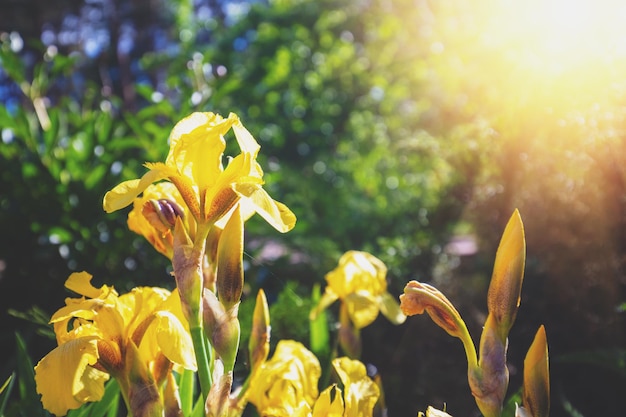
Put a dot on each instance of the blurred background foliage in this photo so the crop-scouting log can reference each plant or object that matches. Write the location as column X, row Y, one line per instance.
column 407, row 128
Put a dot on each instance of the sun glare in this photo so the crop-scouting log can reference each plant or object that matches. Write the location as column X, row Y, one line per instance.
column 564, row 33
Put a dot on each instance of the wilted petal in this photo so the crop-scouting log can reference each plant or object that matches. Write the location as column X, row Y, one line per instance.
column 65, row 378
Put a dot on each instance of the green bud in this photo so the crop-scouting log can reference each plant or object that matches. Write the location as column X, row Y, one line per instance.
column 222, row 328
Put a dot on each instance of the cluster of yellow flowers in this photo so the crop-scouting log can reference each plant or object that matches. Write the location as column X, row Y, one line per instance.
column 192, row 209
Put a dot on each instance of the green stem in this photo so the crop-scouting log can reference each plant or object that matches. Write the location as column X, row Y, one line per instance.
column 204, row 358
column 202, row 346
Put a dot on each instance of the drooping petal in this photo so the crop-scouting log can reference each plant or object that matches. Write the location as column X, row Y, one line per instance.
column 174, row 340
column 362, row 308
column 390, row 307
column 275, row 213
column 124, row 193
column 69, row 366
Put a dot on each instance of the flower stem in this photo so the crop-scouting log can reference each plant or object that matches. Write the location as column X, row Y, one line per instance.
column 203, row 357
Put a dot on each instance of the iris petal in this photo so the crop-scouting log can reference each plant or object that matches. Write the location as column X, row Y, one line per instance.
column 124, row 193
column 68, row 366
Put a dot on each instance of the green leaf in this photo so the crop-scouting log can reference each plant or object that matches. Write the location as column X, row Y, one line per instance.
column 186, row 388
column 95, row 176
column 198, row 409
column 106, row 407
column 29, row 398
column 320, row 337
column 5, row 392
column 612, row 359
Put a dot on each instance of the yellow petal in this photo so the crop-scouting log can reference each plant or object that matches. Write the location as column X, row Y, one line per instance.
column 433, row 412
column 64, row 378
column 197, row 145
column 275, row 213
column 327, row 299
column 360, row 391
column 324, row 407
column 358, row 271
column 246, row 142
column 175, row 341
column 123, row 194
column 80, row 283
column 390, row 307
column 362, row 308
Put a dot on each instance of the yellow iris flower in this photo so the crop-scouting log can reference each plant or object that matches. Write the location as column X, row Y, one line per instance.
column 360, row 392
column 102, row 334
column 287, row 383
column 359, row 396
column 359, row 281
column 194, row 166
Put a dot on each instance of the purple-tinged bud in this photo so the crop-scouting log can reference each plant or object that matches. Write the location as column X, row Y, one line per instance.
column 162, row 214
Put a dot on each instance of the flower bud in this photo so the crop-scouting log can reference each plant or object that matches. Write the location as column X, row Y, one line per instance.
column 222, row 328
column 419, row 297
column 162, row 214
column 230, row 261
column 259, row 344
column 536, row 395
column 503, row 298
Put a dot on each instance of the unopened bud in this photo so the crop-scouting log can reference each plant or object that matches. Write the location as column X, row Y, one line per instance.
column 536, row 394
column 230, row 261
column 162, row 214
column 503, row 298
column 259, row 344
column 222, row 328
